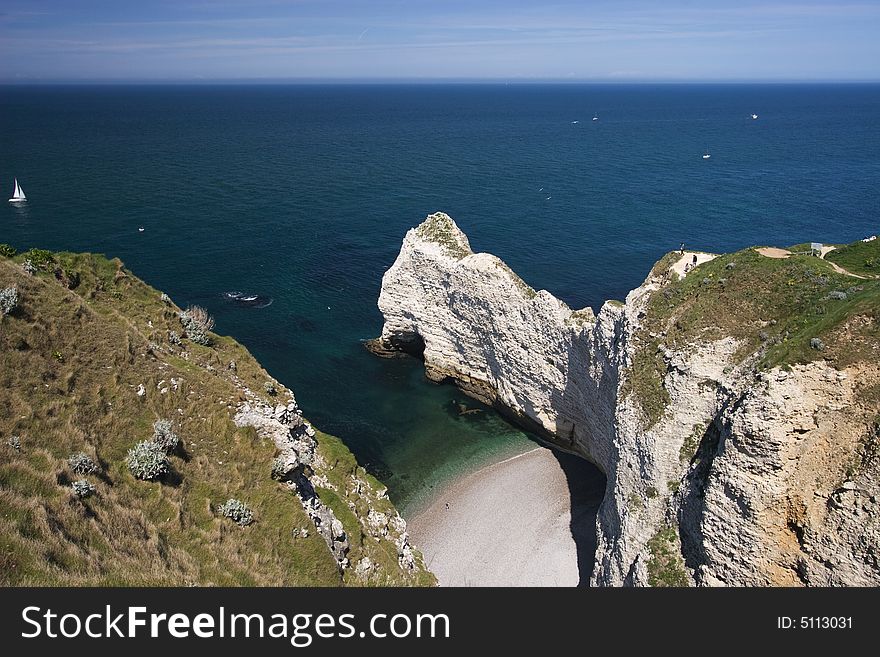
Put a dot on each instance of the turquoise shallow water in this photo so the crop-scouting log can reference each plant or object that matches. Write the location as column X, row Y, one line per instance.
column 303, row 194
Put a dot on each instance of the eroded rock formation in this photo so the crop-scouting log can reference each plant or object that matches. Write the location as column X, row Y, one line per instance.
column 746, row 477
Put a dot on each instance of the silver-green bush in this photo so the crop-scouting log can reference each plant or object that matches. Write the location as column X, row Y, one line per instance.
column 147, row 461
column 82, row 463
column 164, row 436
column 197, row 323
column 8, row 300
column 237, row 511
column 279, row 468
column 82, row 488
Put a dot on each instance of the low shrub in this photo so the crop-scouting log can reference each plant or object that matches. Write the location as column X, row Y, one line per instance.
column 82, row 488
column 237, row 511
column 82, row 463
column 8, row 300
column 164, row 436
column 279, row 468
column 197, row 323
column 7, row 251
column 40, row 258
column 270, row 388
column 147, row 461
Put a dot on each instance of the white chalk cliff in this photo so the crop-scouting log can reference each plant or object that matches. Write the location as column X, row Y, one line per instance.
column 743, row 478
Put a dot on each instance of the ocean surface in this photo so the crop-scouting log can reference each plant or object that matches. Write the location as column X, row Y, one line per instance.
column 302, row 194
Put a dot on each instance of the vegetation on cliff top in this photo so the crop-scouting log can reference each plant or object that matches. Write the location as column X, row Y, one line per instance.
column 861, row 258
column 440, row 228
column 88, row 364
column 781, row 311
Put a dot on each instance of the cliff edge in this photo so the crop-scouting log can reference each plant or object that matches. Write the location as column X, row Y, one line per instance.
column 734, row 408
column 140, row 448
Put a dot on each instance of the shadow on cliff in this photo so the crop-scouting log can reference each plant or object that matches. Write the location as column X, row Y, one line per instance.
column 586, row 487
column 586, row 484
column 585, row 481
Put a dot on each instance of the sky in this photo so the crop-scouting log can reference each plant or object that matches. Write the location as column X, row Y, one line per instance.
column 511, row 40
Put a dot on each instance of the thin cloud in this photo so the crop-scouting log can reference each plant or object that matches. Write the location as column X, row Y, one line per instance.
column 278, row 45
column 455, row 38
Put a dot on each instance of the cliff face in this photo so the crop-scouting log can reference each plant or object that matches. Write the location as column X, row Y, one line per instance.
column 90, row 358
column 725, row 462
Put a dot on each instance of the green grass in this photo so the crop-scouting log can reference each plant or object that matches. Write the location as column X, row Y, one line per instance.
column 859, row 257
column 133, row 532
column 773, row 307
column 691, row 444
column 582, row 318
column 665, row 565
column 440, row 229
column 364, row 493
column 343, row 514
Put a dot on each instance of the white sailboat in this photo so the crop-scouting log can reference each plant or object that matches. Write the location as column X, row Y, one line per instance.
column 596, row 116
column 706, row 155
column 754, row 117
column 18, row 194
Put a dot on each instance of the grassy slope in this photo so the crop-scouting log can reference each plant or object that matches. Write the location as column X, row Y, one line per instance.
column 859, row 257
column 773, row 306
column 70, row 363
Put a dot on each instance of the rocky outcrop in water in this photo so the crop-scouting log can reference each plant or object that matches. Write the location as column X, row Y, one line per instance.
column 745, row 476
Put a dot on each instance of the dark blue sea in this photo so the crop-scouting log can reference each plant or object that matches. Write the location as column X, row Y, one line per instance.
column 302, row 194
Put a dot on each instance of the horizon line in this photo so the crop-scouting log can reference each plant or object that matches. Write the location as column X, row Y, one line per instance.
column 10, row 82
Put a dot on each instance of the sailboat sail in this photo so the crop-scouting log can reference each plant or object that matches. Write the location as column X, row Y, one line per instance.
column 18, row 193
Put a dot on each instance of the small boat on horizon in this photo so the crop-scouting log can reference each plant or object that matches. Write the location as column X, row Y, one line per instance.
column 754, row 117
column 706, row 155
column 18, row 194
column 596, row 116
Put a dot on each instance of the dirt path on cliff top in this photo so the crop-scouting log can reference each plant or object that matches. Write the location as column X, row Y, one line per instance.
column 526, row 521
column 773, row 252
column 687, row 258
